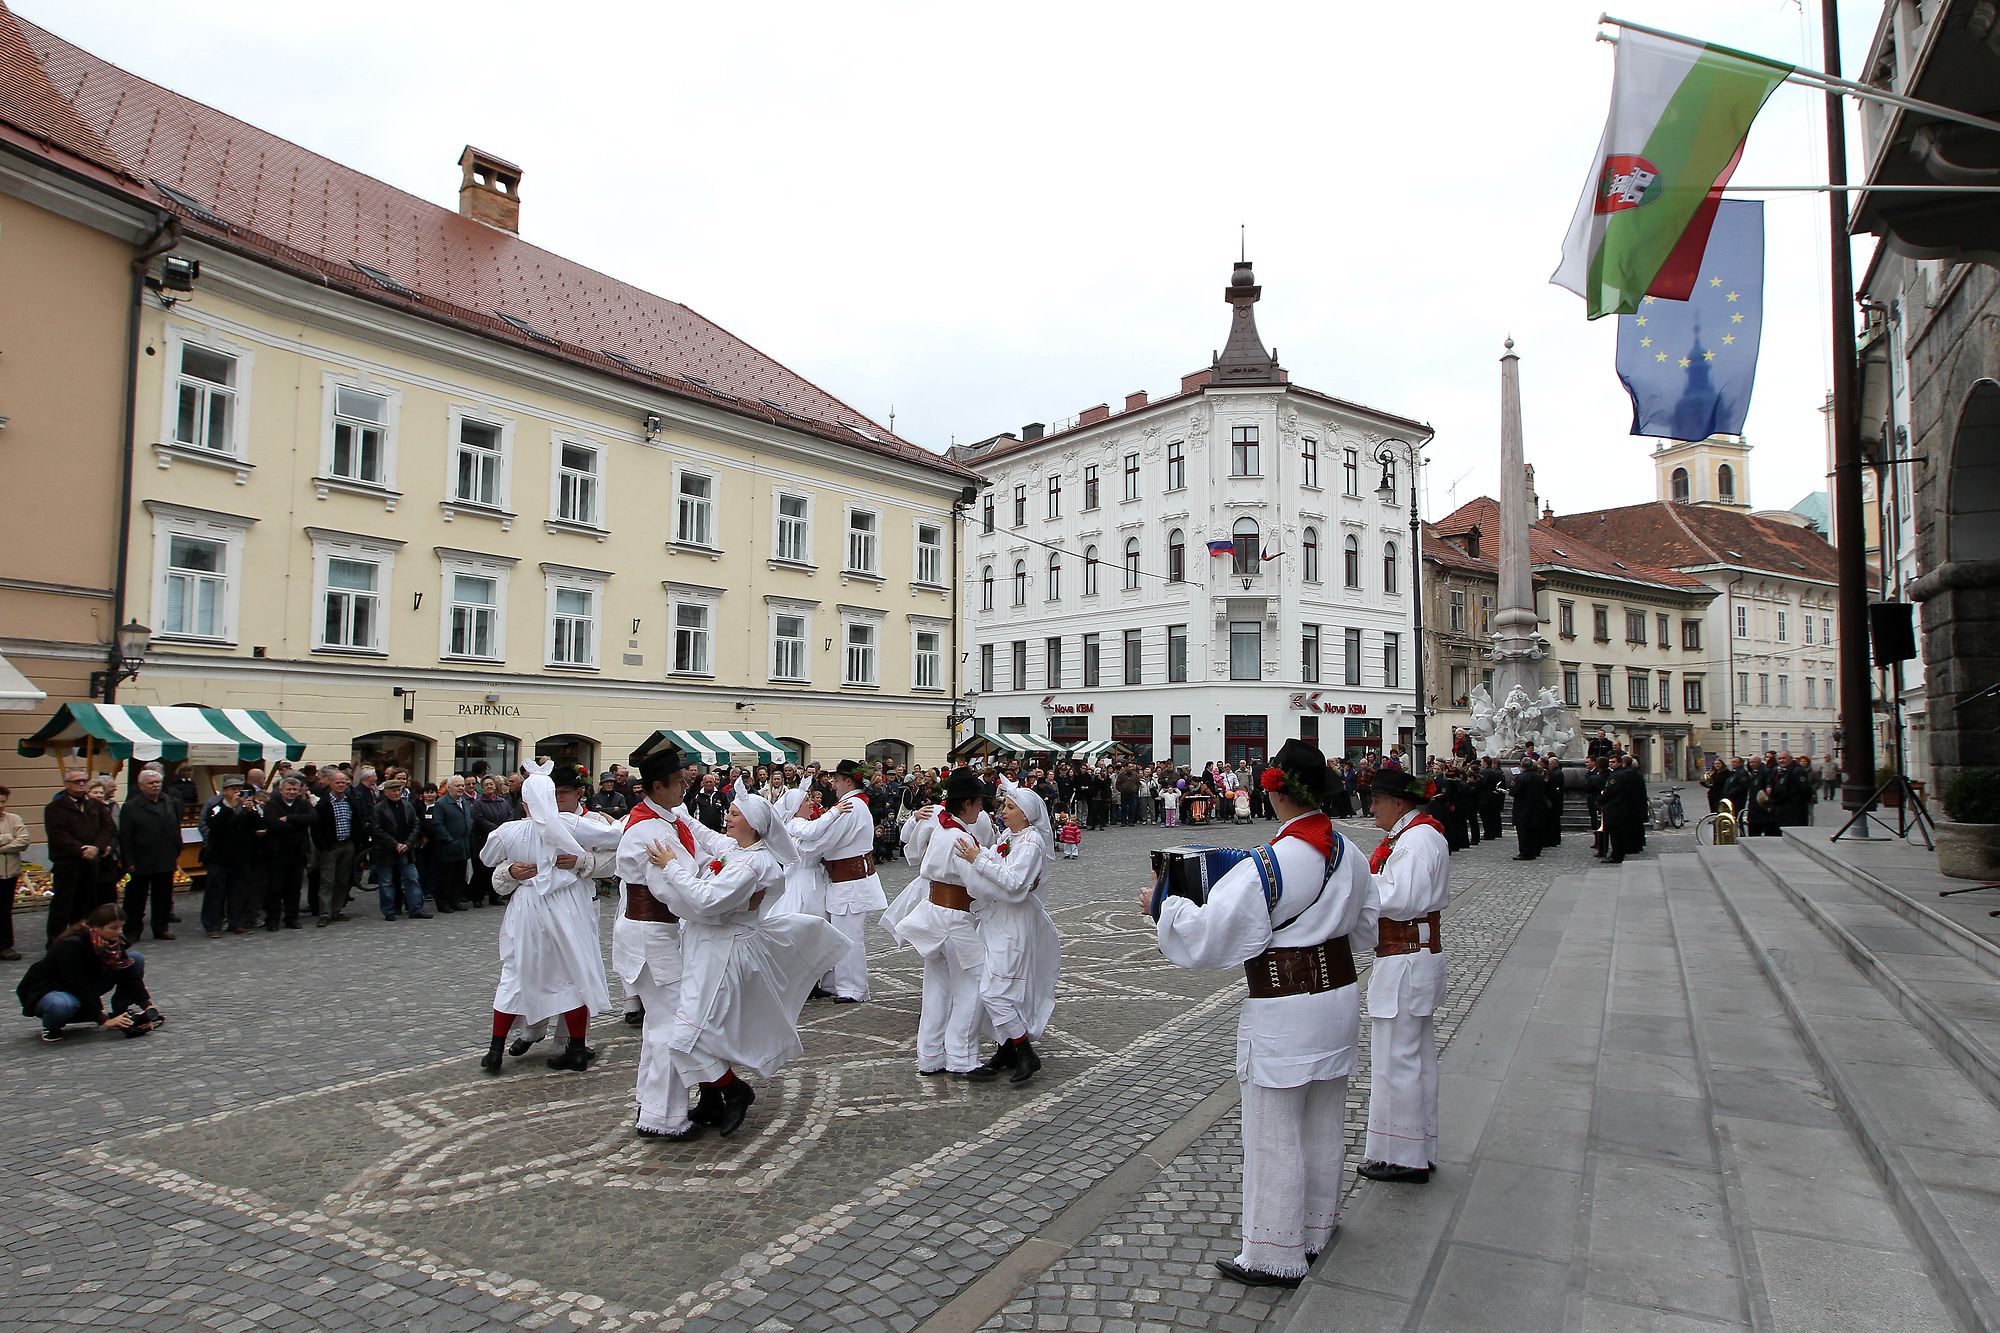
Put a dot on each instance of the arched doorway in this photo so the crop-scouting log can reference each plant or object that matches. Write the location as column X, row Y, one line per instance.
column 895, row 752
column 797, row 747
column 383, row 750
column 569, row 748
column 1960, row 588
column 1972, row 494
column 500, row 753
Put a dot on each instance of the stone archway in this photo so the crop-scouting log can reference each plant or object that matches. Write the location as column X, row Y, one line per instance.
column 1960, row 587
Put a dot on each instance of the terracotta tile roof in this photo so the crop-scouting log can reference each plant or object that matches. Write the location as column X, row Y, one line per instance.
column 245, row 189
column 31, row 104
column 1552, row 546
column 1687, row 536
column 1440, row 550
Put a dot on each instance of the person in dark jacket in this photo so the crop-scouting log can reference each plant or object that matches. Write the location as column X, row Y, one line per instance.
column 398, row 834
column 610, row 800
column 1552, row 798
column 229, row 843
column 710, row 802
column 1736, row 790
column 489, row 812
column 67, row 984
column 81, row 836
column 1760, row 804
column 1491, row 781
column 339, row 832
column 1624, row 809
column 450, row 845
column 149, row 834
column 1792, row 793
column 1530, row 812
column 287, row 846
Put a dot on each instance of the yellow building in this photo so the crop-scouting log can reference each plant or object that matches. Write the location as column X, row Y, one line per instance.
column 427, row 493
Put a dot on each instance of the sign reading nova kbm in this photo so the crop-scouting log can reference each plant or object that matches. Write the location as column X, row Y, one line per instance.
column 489, row 710
column 1049, row 705
column 1313, row 703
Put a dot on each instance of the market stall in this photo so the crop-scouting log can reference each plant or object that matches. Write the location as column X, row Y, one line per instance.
column 984, row 744
column 718, row 747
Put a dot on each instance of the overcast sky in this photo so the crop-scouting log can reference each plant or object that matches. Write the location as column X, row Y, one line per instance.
column 988, row 215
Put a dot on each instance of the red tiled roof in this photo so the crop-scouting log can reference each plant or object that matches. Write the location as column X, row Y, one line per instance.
column 276, row 201
column 1553, row 546
column 1688, row 535
column 1440, row 550
column 31, row 104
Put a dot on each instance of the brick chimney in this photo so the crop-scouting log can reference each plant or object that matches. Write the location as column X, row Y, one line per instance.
column 1194, row 380
column 1090, row 416
column 1135, row 401
column 490, row 191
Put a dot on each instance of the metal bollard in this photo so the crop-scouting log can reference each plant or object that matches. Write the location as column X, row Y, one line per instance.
column 1725, row 825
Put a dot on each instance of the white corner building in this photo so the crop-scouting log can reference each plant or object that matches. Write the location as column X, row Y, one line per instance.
column 1096, row 611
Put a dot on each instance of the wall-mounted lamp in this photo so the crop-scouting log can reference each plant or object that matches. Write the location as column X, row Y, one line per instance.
column 177, row 274
column 653, row 423
column 635, row 625
column 829, row 645
column 418, row 605
column 409, row 698
column 743, row 706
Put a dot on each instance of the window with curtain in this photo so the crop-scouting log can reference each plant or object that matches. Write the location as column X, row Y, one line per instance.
column 1350, row 551
column 1177, row 556
column 1243, row 562
column 1388, row 566
column 1309, row 554
column 1131, row 563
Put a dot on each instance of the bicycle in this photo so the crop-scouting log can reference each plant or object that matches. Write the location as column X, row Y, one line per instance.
column 1667, row 811
column 1704, row 830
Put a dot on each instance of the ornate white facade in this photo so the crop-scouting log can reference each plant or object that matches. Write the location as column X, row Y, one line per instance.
column 1096, row 611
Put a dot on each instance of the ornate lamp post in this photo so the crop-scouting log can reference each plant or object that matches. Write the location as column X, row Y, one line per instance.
column 128, row 655
column 1413, row 458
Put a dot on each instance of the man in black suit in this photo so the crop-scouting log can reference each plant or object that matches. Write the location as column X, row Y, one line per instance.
column 1624, row 809
column 1492, row 784
column 1530, row 811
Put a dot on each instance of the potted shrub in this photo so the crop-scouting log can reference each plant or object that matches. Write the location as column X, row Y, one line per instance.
column 1968, row 838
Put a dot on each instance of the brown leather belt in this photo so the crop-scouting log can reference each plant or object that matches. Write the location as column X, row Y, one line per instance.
column 641, row 905
column 1394, row 937
column 1307, row 971
column 953, row 896
column 849, row 868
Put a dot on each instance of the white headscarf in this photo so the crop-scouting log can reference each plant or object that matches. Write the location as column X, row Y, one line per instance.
column 1032, row 806
column 770, row 825
column 538, row 794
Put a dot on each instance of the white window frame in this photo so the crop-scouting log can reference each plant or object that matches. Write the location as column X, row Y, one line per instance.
column 451, row 564
column 329, row 546
column 596, row 522
column 710, row 600
column 852, row 618
column 921, row 625
column 331, row 383
column 774, row 607
column 919, row 547
column 455, row 419
column 178, row 336
column 873, row 547
column 170, row 521
column 568, row 578
column 714, row 507
column 804, row 559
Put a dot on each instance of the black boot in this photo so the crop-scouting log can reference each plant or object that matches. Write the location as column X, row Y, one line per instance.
column 1004, row 1058
column 519, row 1046
column 575, row 1056
column 736, row 1098
column 707, row 1109
column 1026, row 1062
column 490, row 1062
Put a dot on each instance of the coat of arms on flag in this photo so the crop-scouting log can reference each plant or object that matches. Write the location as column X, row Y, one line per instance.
column 1629, row 181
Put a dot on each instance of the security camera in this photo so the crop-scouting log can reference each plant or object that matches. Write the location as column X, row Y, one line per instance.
column 178, row 272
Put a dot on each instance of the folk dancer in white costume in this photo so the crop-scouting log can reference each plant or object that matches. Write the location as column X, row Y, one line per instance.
column 1292, row 916
column 646, row 939
column 805, row 889
column 1412, row 870
column 934, row 916
column 745, row 971
column 1023, row 950
column 549, row 959
column 843, row 838
column 599, row 865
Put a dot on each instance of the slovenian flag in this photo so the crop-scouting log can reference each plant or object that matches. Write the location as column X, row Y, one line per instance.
column 1679, row 115
column 1220, row 546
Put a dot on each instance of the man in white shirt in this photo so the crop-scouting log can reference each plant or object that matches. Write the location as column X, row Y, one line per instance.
column 1412, row 884
column 843, row 839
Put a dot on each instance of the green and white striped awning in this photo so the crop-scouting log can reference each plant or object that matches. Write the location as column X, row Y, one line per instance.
column 199, row 735
column 1097, row 749
column 716, row 747
column 1006, row 742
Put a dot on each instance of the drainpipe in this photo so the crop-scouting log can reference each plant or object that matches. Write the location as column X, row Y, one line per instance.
column 1729, row 636
column 164, row 238
column 952, row 663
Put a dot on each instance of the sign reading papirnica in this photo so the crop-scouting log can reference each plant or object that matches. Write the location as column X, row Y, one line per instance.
column 489, row 710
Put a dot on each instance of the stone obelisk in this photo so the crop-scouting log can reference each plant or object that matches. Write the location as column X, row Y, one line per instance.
column 1518, row 646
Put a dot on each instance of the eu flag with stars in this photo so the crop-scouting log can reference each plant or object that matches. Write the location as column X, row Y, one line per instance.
column 1689, row 365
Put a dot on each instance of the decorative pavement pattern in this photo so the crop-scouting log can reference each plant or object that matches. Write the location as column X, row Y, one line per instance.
column 309, row 1144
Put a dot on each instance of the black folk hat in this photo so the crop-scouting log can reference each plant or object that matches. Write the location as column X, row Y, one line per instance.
column 660, row 765
column 1303, row 760
column 568, row 777
column 1402, row 785
column 963, row 785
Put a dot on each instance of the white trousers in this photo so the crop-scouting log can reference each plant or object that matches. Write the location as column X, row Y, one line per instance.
column 849, row 974
column 1294, row 1150
column 662, row 1092
column 1403, row 1091
column 948, row 1029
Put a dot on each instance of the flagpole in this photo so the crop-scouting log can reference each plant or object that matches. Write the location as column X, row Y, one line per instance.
column 1857, row 719
column 1860, row 189
column 1812, row 78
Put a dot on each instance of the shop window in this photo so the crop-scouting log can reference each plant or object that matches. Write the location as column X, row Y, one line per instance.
column 500, row 753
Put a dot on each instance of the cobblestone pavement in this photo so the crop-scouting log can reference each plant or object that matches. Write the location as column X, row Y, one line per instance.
column 309, row 1144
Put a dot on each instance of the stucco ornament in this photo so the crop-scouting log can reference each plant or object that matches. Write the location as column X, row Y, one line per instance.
column 1520, row 719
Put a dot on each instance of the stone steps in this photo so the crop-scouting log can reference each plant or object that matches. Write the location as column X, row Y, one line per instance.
column 1855, row 980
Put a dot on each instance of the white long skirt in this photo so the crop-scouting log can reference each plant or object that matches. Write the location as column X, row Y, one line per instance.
column 741, row 991
column 550, row 962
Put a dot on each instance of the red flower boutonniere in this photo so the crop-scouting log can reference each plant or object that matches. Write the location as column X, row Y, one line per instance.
column 1273, row 779
column 1004, row 848
column 715, row 866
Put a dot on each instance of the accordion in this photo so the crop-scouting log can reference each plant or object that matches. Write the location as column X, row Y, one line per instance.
column 1188, row 872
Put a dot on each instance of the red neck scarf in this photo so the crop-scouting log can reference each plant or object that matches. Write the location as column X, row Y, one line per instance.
column 644, row 811
column 1314, row 830
column 1381, row 856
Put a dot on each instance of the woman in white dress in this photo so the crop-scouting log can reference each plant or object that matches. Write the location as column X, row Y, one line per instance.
column 1023, row 950
column 934, row 916
column 746, row 970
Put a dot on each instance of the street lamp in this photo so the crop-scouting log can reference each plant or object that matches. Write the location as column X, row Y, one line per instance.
column 1412, row 455
column 128, row 654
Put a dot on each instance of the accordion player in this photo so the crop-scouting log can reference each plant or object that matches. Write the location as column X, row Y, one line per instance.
column 1187, row 872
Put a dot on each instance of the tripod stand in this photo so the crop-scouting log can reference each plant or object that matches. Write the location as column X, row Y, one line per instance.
column 1907, row 799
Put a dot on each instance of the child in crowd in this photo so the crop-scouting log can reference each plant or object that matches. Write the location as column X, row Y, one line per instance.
column 1170, row 796
column 1069, row 836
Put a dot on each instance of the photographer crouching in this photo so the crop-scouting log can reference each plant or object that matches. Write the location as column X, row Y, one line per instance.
column 67, row 985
